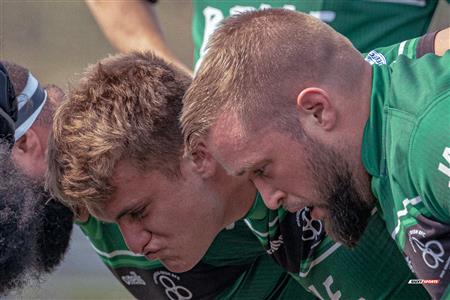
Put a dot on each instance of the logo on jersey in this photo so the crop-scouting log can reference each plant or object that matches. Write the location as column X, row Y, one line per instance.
column 133, row 279
column 432, row 252
column 275, row 245
column 374, row 57
column 445, row 169
column 311, row 228
column 173, row 290
column 424, row 281
column 428, row 250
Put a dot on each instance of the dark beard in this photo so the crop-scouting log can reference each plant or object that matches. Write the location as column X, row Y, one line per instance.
column 348, row 207
column 34, row 232
column 53, row 234
column 18, row 226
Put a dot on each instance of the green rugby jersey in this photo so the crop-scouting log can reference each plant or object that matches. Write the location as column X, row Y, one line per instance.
column 367, row 23
column 406, row 150
column 374, row 269
column 235, row 267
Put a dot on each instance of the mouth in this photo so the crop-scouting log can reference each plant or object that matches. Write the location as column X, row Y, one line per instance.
column 152, row 256
column 152, row 252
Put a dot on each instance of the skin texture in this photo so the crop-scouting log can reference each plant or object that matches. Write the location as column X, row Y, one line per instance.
column 160, row 217
column 307, row 166
column 442, row 42
column 325, row 183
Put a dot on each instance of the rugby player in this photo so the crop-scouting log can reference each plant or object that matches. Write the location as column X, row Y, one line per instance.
column 34, row 230
column 311, row 123
column 124, row 162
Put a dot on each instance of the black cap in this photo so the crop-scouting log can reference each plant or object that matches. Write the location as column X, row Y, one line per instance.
column 8, row 107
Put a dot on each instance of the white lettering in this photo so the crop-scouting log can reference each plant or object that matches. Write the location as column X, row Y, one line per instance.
column 327, row 283
column 240, row 9
column 442, row 168
column 213, row 16
column 324, row 15
column 315, row 292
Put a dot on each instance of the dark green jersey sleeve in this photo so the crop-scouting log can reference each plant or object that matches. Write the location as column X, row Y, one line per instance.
column 430, row 145
column 404, row 149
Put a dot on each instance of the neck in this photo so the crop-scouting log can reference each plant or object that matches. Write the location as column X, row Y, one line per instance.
column 366, row 93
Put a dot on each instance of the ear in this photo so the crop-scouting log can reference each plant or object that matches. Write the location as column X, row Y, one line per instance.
column 28, row 153
column 204, row 162
column 316, row 109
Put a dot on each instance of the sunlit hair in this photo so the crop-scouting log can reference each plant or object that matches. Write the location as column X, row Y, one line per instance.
column 257, row 63
column 126, row 107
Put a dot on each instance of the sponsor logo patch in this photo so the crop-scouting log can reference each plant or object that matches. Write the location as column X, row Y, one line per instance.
column 133, row 279
column 172, row 290
column 374, row 57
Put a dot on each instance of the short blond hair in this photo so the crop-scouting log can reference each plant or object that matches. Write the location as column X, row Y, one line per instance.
column 255, row 65
column 126, row 107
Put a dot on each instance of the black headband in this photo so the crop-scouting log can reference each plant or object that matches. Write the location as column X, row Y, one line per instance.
column 8, row 107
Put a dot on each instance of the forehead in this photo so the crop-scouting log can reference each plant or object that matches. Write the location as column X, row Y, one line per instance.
column 233, row 146
column 131, row 187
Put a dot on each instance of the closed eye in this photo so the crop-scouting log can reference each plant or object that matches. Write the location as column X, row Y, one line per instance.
column 137, row 214
column 260, row 172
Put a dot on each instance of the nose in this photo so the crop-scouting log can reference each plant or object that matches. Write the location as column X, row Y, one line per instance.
column 135, row 236
column 272, row 197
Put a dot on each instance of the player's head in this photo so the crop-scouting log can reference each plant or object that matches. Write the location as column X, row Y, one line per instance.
column 35, row 230
column 35, row 117
column 271, row 103
column 117, row 150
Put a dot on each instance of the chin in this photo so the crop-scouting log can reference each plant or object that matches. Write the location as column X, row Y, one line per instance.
column 177, row 265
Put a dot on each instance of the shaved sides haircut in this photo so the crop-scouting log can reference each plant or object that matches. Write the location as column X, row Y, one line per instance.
column 256, row 64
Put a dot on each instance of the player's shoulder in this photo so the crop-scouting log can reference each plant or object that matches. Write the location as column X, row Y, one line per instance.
column 429, row 156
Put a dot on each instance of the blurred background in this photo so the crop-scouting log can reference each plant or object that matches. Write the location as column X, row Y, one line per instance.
column 56, row 40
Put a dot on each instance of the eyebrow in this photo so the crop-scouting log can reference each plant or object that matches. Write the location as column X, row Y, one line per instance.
column 248, row 165
column 124, row 212
column 138, row 203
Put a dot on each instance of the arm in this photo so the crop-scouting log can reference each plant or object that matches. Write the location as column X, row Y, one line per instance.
column 434, row 42
column 132, row 25
column 442, row 42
